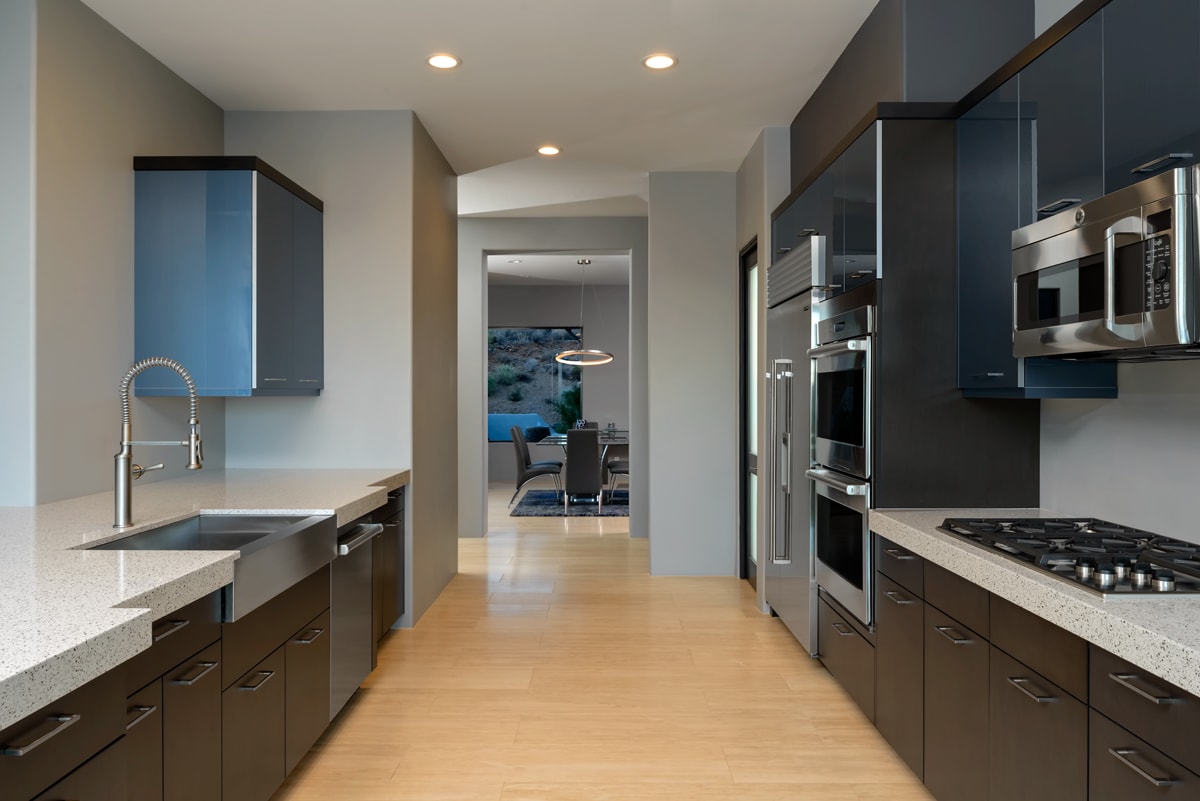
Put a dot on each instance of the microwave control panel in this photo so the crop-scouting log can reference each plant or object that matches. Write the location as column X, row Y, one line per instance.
column 1158, row 273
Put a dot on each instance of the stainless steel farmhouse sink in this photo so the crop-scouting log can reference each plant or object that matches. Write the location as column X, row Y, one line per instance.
column 275, row 551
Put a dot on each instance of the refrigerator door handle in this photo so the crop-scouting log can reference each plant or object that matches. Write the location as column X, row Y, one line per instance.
column 781, row 519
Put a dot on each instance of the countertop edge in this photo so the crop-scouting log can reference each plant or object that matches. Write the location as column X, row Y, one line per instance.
column 1135, row 629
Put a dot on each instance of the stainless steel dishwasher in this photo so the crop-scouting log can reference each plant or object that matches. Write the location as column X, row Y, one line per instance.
column 352, row 644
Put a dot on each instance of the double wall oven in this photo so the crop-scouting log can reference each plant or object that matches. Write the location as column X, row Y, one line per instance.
column 841, row 381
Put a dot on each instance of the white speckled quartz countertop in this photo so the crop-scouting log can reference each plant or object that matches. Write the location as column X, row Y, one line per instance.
column 1158, row 634
column 70, row 614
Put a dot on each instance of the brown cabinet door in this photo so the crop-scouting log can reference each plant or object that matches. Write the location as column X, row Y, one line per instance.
column 956, row 709
column 306, row 705
column 899, row 671
column 192, row 728
column 101, row 778
column 144, row 743
column 252, row 761
column 1122, row 767
column 1039, row 736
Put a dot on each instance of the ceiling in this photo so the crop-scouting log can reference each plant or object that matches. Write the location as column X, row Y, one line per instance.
column 566, row 72
column 558, row 269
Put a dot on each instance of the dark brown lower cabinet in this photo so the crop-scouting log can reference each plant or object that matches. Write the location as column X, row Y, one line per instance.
column 1038, row 735
column 101, row 778
column 306, row 689
column 956, row 709
column 144, row 743
column 899, row 671
column 1123, row 767
column 191, row 759
column 847, row 655
column 252, row 742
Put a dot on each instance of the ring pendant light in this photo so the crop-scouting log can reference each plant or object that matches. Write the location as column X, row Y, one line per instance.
column 583, row 357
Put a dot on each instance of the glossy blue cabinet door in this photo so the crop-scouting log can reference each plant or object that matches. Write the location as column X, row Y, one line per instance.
column 228, row 281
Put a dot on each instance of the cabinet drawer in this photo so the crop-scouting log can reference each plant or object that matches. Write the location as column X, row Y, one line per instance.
column 192, row 728
column 1122, row 767
column 899, row 671
column 847, row 656
column 245, row 642
column 900, row 565
column 960, row 599
column 45, row 746
column 252, row 732
column 101, row 778
column 1158, row 712
column 144, row 741
column 956, row 709
column 1038, row 735
column 1053, row 652
column 392, row 507
column 177, row 636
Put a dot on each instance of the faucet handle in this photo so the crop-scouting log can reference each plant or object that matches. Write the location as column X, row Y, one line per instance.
column 137, row 470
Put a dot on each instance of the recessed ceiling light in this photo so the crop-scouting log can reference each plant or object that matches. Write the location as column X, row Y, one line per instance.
column 659, row 61
column 548, row 150
column 443, row 61
column 514, row 261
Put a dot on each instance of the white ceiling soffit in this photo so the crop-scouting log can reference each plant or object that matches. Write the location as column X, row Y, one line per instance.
column 566, row 72
column 558, row 269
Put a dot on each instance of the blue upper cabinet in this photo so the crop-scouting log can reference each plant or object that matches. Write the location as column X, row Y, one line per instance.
column 1151, row 88
column 228, row 277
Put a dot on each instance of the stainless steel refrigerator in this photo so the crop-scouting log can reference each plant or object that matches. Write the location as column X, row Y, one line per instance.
column 791, row 586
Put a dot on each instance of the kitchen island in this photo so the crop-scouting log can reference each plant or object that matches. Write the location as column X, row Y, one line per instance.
column 1158, row 634
column 71, row 614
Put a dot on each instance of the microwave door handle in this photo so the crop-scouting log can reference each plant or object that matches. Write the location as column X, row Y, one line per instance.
column 1129, row 226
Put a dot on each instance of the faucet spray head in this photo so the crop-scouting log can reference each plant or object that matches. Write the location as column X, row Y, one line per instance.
column 195, row 446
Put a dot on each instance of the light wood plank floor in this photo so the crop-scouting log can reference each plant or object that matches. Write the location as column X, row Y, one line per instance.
column 553, row 668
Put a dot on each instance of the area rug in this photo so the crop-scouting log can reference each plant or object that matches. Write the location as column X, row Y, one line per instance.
column 548, row 503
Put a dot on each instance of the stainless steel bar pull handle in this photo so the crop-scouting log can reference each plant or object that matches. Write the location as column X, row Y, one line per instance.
column 259, row 679
column 195, row 673
column 309, row 637
column 366, row 533
column 835, row 348
column 139, row 713
column 167, row 629
column 897, row 598
column 780, row 518
column 953, row 635
column 1020, row 682
column 899, row 555
column 843, row 629
column 1129, row 226
column 1154, row 165
column 1122, row 755
column 48, row 729
column 1126, row 680
column 825, row 477
column 1057, row 205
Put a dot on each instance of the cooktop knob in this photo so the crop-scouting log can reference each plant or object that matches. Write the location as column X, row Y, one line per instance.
column 1105, row 576
column 1141, row 575
column 1164, row 581
column 1084, row 567
column 1121, row 566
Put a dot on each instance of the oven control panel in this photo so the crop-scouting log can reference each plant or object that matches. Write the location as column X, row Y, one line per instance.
column 1158, row 272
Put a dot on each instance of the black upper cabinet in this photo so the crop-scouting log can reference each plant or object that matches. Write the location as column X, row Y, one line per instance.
column 1151, row 85
column 1062, row 109
column 853, row 247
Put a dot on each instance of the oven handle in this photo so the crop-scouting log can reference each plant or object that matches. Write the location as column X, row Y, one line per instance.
column 1129, row 226
column 826, row 478
column 835, row 348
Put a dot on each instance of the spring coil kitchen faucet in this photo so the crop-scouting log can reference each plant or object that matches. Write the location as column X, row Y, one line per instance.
column 125, row 470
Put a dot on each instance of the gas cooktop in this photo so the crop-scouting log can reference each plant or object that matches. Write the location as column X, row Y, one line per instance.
column 1106, row 558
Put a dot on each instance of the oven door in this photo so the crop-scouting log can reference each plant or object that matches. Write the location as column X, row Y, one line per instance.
column 843, row 540
column 841, row 406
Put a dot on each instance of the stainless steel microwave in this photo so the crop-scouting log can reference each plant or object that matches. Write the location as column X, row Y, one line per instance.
column 1112, row 278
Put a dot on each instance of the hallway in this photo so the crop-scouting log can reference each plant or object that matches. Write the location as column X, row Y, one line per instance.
column 553, row 668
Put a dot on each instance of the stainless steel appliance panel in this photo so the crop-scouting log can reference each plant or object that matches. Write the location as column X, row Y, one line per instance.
column 842, row 540
column 352, row 634
column 790, row 585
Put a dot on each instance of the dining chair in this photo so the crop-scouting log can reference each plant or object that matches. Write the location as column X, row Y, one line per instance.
column 583, row 467
column 617, row 467
column 528, row 470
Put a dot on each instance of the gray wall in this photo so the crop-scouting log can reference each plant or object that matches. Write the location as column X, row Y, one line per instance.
column 17, row 270
column 389, row 319
column 476, row 238
column 100, row 100
column 1132, row 460
column 692, row 359
column 606, row 326
column 433, row 538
